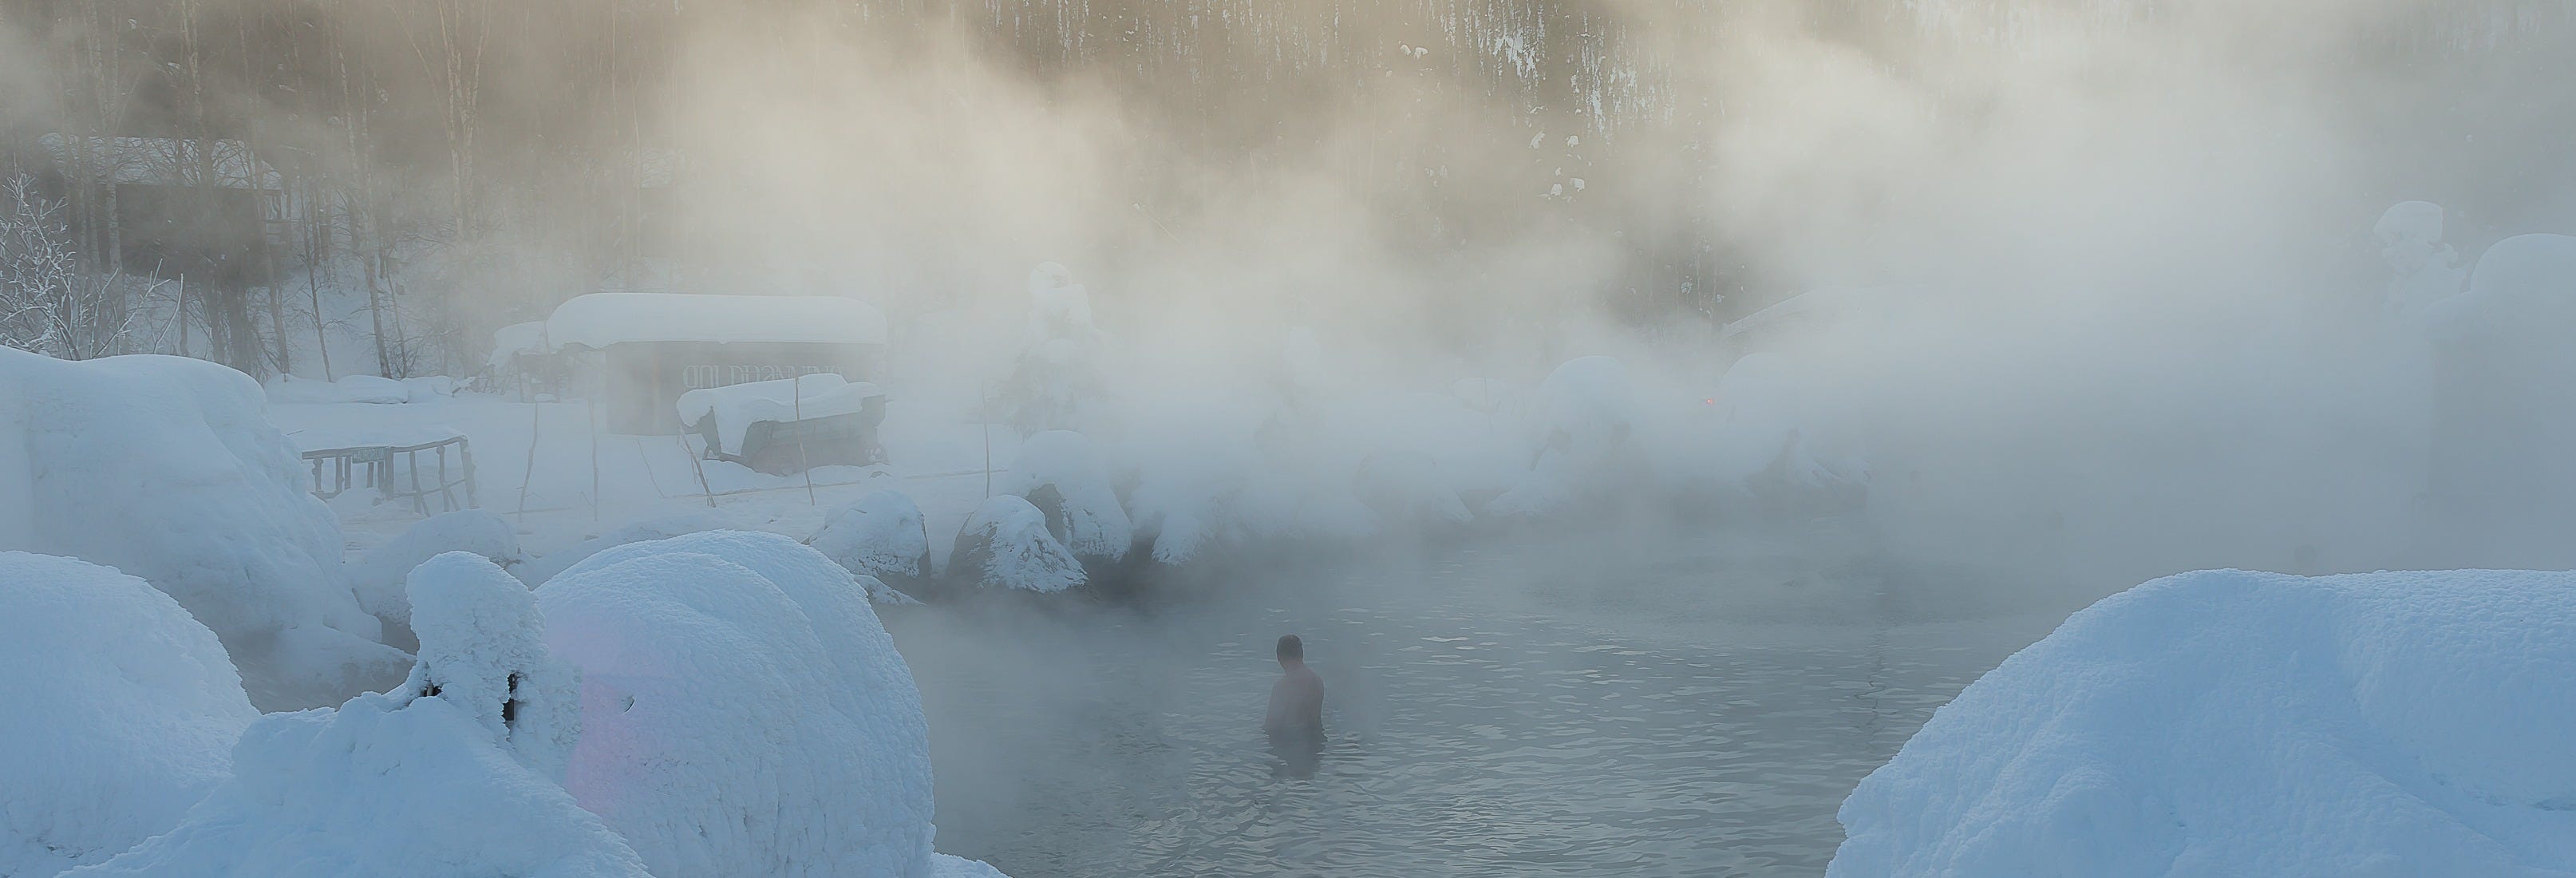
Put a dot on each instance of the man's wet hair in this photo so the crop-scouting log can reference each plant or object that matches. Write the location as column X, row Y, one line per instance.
column 1291, row 648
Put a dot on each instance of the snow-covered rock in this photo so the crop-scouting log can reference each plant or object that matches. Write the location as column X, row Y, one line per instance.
column 380, row 577
column 1058, row 472
column 2231, row 723
column 882, row 535
column 167, row 468
column 122, row 712
column 453, row 773
column 545, row 567
column 744, row 713
column 1005, row 544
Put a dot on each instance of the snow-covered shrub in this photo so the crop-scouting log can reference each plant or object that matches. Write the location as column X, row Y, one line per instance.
column 545, row 567
column 2231, row 723
column 1058, row 472
column 167, row 468
column 122, row 712
column 453, row 773
column 1005, row 544
column 380, row 577
column 744, row 713
column 881, row 535
column 2422, row 268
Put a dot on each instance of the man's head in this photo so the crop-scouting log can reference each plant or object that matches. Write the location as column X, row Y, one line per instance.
column 1291, row 650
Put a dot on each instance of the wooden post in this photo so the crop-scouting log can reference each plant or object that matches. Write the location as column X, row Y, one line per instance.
column 796, row 387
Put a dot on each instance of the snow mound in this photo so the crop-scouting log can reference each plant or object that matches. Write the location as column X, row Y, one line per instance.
column 1005, row 544
column 453, row 773
column 744, row 713
column 2523, row 286
column 881, row 536
column 1058, row 472
column 2231, row 723
column 482, row 647
column 381, row 576
column 167, row 468
column 787, row 400
column 537, row 572
column 122, row 712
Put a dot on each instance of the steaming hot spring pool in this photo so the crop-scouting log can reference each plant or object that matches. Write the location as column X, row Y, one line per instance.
column 1650, row 707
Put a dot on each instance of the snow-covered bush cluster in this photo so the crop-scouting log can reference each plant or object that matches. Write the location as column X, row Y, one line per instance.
column 166, row 468
column 122, row 712
column 2230, row 723
column 1324, row 457
column 744, row 712
column 455, row 772
column 719, row 703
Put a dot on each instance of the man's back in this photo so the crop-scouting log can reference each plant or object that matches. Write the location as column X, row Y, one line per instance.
column 1296, row 705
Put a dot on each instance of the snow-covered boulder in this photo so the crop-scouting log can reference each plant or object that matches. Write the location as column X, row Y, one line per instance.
column 881, row 536
column 1005, row 544
column 545, row 567
column 1058, row 472
column 380, row 578
column 744, row 713
column 455, row 772
column 167, row 468
column 122, row 712
column 2231, row 723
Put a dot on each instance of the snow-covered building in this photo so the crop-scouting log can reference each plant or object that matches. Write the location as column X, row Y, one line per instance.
column 653, row 347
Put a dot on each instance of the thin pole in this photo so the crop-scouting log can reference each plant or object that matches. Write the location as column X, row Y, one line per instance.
column 536, row 413
column 807, row 466
column 590, row 411
column 984, row 425
column 692, row 455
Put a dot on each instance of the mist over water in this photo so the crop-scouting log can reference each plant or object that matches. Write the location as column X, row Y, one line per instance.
column 2091, row 290
column 1651, row 703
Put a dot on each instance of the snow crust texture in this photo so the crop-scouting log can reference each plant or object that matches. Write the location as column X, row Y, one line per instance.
column 1058, row 472
column 1005, row 544
column 882, row 538
column 122, row 712
column 2231, row 723
column 451, row 773
column 166, row 468
column 744, row 712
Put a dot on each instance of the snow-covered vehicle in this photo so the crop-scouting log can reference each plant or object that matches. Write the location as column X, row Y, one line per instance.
column 784, row 426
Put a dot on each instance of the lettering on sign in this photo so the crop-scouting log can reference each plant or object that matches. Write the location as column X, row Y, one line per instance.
column 702, row 376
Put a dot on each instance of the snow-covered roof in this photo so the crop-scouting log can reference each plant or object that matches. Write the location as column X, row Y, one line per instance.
column 163, row 161
column 738, row 406
column 598, row 320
